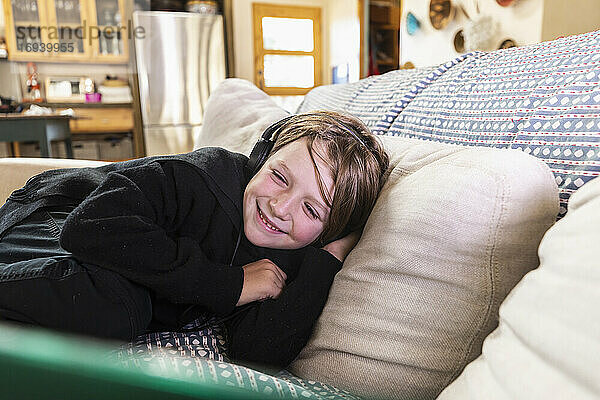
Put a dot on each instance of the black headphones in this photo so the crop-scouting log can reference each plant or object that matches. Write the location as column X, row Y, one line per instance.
column 262, row 148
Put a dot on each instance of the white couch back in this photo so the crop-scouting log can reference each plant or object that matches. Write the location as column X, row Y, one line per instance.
column 14, row 172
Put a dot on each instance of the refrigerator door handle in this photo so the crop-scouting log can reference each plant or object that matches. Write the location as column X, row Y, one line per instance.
column 143, row 87
column 207, row 57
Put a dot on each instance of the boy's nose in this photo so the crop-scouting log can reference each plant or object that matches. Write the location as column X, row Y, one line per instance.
column 281, row 206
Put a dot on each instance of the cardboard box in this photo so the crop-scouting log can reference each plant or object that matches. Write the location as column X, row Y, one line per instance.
column 116, row 148
column 5, row 150
column 82, row 149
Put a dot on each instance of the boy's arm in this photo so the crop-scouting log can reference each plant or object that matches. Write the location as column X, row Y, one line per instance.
column 273, row 332
column 137, row 223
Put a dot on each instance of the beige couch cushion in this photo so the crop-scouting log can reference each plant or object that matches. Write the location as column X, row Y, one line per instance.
column 237, row 112
column 547, row 344
column 14, row 172
column 453, row 230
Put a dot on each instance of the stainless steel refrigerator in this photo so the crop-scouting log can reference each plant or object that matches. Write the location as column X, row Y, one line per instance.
column 180, row 58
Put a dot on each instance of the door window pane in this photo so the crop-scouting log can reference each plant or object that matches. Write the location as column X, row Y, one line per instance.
column 292, row 34
column 289, row 71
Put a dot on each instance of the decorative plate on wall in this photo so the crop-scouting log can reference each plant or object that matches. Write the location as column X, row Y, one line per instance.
column 441, row 13
column 459, row 42
column 504, row 3
column 507, row 44
column 412, row 23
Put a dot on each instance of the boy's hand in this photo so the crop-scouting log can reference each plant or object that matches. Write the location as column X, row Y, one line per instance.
column 262, row 280
column 341, row 247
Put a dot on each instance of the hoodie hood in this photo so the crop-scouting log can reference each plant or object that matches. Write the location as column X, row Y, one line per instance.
column 226, row 175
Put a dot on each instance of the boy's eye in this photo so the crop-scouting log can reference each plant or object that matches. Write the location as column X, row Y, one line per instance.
column 278, row 176
column 311, row 211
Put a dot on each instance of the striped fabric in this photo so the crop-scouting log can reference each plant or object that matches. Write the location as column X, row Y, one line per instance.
column 367, row 99
column 330, row 98
column 542, row 99
column 388, row 89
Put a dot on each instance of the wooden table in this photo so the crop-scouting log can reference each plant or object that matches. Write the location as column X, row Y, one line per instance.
column 40, row 128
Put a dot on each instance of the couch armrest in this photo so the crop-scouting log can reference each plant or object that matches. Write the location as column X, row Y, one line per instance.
column 14, row 172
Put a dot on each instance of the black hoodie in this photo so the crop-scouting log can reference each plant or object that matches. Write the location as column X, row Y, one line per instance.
column 170, row 224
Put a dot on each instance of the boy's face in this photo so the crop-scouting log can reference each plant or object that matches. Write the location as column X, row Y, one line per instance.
column 283, row 207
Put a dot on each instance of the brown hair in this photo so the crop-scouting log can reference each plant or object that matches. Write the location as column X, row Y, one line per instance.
column 357, row 171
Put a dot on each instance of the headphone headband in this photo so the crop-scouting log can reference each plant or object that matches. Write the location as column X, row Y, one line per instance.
column 263, row 147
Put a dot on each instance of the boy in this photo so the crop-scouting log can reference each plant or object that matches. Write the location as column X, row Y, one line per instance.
column 132, row 247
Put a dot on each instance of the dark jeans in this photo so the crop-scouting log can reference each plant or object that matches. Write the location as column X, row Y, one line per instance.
column 43, row 284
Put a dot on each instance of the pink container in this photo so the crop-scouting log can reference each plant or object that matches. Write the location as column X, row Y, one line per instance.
column 93, row 97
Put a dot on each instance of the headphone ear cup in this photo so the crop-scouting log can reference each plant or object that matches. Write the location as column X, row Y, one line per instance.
column 263, row 147
column 259, row 155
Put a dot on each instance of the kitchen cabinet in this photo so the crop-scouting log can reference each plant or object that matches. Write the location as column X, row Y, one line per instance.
column 24, row 20
column 67, row 30
column 69, row 17
column 100, row 123
column 112, row 43
column 102, row 120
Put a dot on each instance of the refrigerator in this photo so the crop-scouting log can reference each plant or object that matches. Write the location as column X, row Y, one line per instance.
column 180, row 58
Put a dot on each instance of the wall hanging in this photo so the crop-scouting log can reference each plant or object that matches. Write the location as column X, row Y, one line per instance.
column 441, row 13
column 459, row 42
column 504, row 3
column 412, row 24
column 507, row 44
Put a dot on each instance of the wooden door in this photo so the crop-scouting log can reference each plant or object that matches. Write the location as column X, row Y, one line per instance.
column 287, row 48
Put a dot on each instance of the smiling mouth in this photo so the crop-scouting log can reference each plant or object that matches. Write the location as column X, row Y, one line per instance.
column 266, row 223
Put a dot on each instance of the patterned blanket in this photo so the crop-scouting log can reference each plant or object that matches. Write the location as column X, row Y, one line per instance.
column 542, row 99
column 202, row 356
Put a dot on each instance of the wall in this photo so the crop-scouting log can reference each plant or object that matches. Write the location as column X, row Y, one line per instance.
column 18, row 71
column 525, row 21
column 95, row 71
column 583, row 16
column 12, row 83
column 243, row 35
column 1, row 19
column 344, row 36
column 520, row 22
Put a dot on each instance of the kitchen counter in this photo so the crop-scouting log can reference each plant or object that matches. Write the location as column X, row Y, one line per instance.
column 82, row 105
column 16, row 116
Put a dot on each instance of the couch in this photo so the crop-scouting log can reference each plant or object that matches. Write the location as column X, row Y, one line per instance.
column 477, row 272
